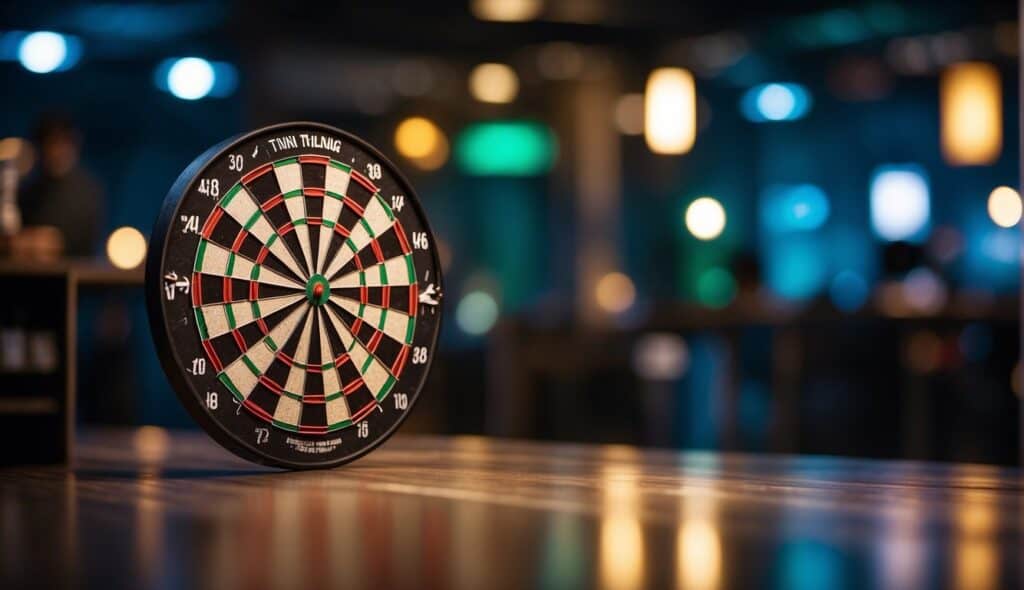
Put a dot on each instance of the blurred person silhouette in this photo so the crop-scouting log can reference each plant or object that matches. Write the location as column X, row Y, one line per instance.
column 61, row 205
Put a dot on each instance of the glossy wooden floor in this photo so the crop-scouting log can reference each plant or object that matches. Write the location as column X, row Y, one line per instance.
column 145, row 508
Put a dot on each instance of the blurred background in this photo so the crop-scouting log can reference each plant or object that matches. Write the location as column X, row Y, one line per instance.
column 768, row 227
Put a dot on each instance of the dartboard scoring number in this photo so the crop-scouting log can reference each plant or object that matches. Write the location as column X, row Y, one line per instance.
column 293, row 273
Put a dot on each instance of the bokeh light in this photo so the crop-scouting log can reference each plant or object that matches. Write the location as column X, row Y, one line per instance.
column 848, row 291
column 775, row 102
column 716, row 287
column 629, row 114
column 506, row 10
column 794, row 207
column 661, row 357
column 422, row 142
column 971, row 102
column 43, row 52
column 126, row 247
column 924, row 291
column 1004, row 206
column 191, row 78
column 900, row 202
column 796, row 267
column 476, row 313
column 705, row 218
column 670, row 111
column 615, row 292
column 505, row 148
column 151, row 443
column 493, row 83
column 10, row 147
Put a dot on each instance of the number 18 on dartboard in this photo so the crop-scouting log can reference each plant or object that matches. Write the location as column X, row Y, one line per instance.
column 294, row 295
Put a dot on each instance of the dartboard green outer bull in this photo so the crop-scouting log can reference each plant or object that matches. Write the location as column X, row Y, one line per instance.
column 294, row 295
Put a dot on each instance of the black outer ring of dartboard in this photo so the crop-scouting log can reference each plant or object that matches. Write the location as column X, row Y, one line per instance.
column 169, row 360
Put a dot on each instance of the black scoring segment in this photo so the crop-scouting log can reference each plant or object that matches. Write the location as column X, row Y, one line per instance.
column 359, row 194
column 251, row 333
column 360, row 398
column 314, row 379
column 239, row 290
column 212, row 288
column 266, row 291
column 264, row 398
column 387, row 351
column 399, row 299
column 250, row 247
column 278, row 372
column 314, row 175
column 226, row 231
column 389, row 244
column 227, row 348
column 314, row 244
column 278, row 215
column 264, row 187
column 368, row 257
column 314, row 415
column 314, row 207
column 348, row 218
column 348, row 373
column 375, row 296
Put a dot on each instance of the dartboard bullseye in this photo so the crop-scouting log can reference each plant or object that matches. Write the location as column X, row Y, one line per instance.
column 293, row 294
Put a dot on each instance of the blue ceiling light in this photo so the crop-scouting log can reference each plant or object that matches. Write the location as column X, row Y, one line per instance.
column 43, row 52
column 900, row 202
column 778, row 101
column 193, row 78
column 794, row 207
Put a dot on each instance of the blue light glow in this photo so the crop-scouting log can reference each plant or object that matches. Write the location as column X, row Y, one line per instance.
column 991, row 257
column 796, row 266
column 900, row 203
column 190, row 78
column 807, row 564
column 1002, row 246
column 44, row 52
column 193, row 78
column 848, row 291
column 794, row 207
column 775, row 102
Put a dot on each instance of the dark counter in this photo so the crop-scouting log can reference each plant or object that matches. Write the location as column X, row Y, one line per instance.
column 158, row 509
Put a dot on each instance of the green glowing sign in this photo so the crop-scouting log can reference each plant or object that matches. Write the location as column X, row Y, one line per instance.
column 505, row 148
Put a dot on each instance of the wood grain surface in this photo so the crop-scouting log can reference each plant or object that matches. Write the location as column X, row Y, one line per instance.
column 151, row 508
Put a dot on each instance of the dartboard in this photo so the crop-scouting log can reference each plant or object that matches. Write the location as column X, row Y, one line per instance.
column 294, row 295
